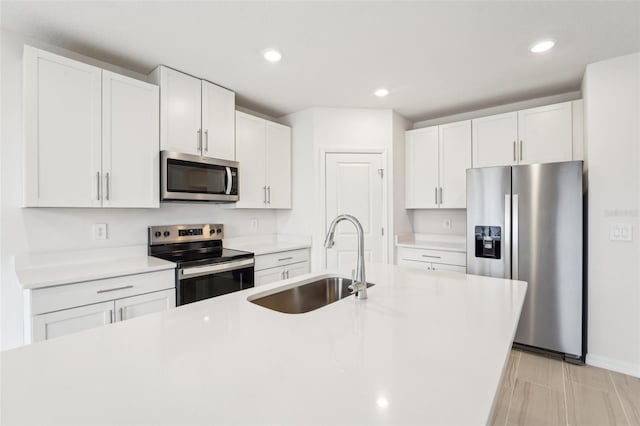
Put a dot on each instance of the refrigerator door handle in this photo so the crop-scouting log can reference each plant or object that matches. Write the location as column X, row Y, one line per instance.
column 507, row 236
column 514, row 238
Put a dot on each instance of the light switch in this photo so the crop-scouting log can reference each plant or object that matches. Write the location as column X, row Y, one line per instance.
column 621, row 232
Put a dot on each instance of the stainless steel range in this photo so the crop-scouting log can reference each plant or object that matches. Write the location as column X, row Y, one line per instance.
column 205, row 268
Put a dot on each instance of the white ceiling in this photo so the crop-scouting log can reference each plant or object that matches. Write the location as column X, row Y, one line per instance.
column 436, row 58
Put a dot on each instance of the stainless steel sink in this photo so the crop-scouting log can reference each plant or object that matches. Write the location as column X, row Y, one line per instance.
column 306, row 296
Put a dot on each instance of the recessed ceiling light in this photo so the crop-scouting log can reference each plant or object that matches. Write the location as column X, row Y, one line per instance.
column 542, row 46
column 381, row 92
column 272, row 55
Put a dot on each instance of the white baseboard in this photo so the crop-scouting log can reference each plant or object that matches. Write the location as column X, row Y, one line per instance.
column 614, row 365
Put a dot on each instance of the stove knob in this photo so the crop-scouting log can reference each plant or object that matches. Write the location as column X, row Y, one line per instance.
column 157, row 234
column 219, row 230
column 212, row 231
column 167, row 233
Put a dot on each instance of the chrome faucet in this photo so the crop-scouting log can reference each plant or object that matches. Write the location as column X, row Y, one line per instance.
column 359, row 284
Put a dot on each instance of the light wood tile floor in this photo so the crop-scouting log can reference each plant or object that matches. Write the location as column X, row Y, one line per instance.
column 537, row 390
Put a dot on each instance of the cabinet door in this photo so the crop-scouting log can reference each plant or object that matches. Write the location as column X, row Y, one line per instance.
column 60, row 323
column 62, row 131
column 251, row 153
column 130, row 142
column 218, row 122
column 135, row 306
column 180, row 112
column 422, row 168
column 425, row 266
column 494, row 140
column 268, row 276
column 545, row 134
column 278, row 150
column 296, row 269
column 455, row 159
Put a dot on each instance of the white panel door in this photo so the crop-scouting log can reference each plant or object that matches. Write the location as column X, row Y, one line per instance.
column 455, row 159
column 251, row 154
column 297, row 269
column 494, row 140
column 60, row 323
column 354, row 186
column 278, row 150
column 268, row 276
column 545, row 134
column 180, row 112
column 422, row 168
column 130, row 142
column 218, row 122
column 135, row 306
column 62, row 131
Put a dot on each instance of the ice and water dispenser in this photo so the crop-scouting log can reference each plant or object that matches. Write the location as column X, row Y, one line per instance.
column 488, row 241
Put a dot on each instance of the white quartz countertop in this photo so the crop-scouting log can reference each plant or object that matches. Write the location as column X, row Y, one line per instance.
column 267, row 244
column 51, row 269
column 426, row 348
column 455, row 243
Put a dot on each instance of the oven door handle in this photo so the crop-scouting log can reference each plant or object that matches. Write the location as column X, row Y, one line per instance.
column 229, row 181
column 213, row 269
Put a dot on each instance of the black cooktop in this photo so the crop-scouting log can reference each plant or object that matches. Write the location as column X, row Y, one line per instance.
column 196, row 258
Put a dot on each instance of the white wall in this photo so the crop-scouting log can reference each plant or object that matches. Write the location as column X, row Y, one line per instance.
column 322, row 129
column 432, row 221
column 611, row 91
column 36, row 230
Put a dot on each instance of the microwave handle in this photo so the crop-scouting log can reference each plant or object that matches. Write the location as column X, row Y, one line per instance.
column 229, row 181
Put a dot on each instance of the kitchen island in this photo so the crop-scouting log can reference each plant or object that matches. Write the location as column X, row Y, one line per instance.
column 425, row 348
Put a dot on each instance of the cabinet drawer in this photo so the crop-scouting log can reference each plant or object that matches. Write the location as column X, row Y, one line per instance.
column 84, row 293
column 273, row 260
column 437, row 256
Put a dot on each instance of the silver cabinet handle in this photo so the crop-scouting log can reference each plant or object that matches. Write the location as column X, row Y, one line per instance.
column 514, row 151
column 287, row 271
column 264, row 199
column 122, row 314
column 436, row 194
column 98, row 185
column 285, row 258
column 114, row 289
column 206, row 140
column 200, row 140
column 520, row 149
column 430, row 256
column 111, row 316
column 269, row 194
column 107, row 190
column 440, row 195
column 282, row 275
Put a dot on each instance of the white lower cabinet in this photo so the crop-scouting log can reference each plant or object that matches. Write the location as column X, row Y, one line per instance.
column 56, row 311
column 432, row 260
column 56, row 324
column 273, row 267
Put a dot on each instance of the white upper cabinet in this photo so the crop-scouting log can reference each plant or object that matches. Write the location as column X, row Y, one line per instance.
column 130, row 140
column 196, row 116
column 278, row 165
column 62, row 124
column 180, row 111
column 218, row 122
column 495, row 140
column 91, row 136
column 422, row 168
column 545, row 134
column 455, row 159
column 437, row 159
column 263, row 149
column 536, row 135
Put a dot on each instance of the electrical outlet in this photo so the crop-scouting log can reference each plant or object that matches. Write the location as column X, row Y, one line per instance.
column 446, row 223
column 621, row 232
column 99, row 231
column 254, row 224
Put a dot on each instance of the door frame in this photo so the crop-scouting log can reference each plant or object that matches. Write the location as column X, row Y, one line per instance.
column 323, row 194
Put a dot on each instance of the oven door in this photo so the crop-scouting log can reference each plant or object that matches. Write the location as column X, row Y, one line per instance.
column 190, row 177
column 203, row 282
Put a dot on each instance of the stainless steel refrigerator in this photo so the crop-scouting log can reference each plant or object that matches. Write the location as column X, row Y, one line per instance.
column 526, row 223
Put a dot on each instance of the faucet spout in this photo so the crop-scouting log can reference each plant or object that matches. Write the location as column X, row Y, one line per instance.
column 359, row 285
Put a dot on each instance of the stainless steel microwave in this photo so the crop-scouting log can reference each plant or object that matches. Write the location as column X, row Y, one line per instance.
column 185, row 177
